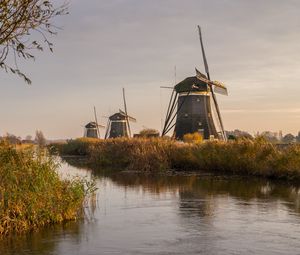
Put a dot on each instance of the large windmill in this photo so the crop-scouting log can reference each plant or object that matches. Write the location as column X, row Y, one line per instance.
column 92, row 129
column 191, row 104
column 119, row 123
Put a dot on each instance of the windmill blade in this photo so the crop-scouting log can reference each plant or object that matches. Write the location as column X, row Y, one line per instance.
column 107, row 129
column 166, row 87
column 212, row 91
column 131, row 119
column 122, row 112
column 200, row 75
column 127, row 116
column 95, row 113
column 219, row 87
column 203, row 53
column 101, row 126
column 125, row 108
column 221, row 90
column 218, row 84
column 218, row 114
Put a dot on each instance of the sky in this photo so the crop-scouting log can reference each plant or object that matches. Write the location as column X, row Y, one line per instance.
column 251, row 46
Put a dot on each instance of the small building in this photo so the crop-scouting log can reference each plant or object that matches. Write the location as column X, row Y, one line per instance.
column 91, row 130
column 118, row 125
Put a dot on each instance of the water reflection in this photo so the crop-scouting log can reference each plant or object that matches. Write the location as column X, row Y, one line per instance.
column 174, row 214
column 206, row 187
column 42, row 242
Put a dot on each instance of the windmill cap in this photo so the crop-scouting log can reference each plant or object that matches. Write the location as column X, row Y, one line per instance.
column 91, row 125
column 118, row 116
column 191, row 84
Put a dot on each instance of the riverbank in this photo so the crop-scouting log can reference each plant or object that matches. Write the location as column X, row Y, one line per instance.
column 32, row 194
column 247, row 157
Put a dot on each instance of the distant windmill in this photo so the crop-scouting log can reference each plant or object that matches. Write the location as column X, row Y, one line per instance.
column 92, row 128
column 119, row 123
column 190, row 104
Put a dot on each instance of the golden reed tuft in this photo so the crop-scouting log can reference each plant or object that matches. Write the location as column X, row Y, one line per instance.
column 32, row 193
column 242, row 156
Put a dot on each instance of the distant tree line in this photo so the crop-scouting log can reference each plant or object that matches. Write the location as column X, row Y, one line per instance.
column 39, row 139
column 270, row 136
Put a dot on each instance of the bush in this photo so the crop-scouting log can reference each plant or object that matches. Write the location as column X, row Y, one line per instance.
column 31, row 192
column 193, row 138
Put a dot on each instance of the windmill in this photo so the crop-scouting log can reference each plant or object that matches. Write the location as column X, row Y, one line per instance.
column 190, row 107
column 119, row 123
column 91, row 129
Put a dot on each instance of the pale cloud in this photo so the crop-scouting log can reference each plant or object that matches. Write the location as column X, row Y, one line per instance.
column 252, row 46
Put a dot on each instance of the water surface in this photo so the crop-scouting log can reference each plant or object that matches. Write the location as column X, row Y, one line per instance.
column 204, row 214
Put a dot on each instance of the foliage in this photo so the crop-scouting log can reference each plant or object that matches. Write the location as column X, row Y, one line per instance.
column 40, row 139
column 238, row 134
column 20, row 21
column 147, row 132
column 78, row 147
column 269, row 136
column 288, row 138
column 241, row 156
column 11, row 138
column 31, row 192
column 193, row 138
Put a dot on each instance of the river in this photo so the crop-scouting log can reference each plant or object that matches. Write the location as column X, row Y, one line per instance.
column 193, row 214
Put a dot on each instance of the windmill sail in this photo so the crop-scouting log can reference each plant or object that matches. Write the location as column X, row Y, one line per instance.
column 220, row 90
column 203, row 53
column 129, row 117
column 95, row 113
column 125, row 108
column 212, row 91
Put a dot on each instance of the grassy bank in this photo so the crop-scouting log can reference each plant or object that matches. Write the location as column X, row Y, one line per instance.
column 32, row 194
column 251, row 157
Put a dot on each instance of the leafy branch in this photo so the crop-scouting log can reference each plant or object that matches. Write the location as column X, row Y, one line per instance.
column 19, row 20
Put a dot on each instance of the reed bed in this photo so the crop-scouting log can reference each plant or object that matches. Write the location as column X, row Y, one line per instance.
column 31, row 192
column 244, row 156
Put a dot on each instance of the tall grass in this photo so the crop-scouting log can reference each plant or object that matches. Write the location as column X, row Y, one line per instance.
column 243, row 156
column 32, row 193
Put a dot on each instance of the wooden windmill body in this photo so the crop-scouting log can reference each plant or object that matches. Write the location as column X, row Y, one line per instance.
column 92, row 129
column 191, row 106
column 118, row 123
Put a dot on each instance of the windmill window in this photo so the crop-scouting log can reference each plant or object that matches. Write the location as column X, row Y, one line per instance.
column 199, row 123
column 186, row 115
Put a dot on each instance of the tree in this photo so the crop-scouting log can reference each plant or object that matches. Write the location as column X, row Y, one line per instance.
column 298, row 137
column 28, row 138
column 289, row 138
column 40, row 139
column 22, row 22
column 238, row 134
column 149, row 132
column 270, row 136
column 13, row 139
